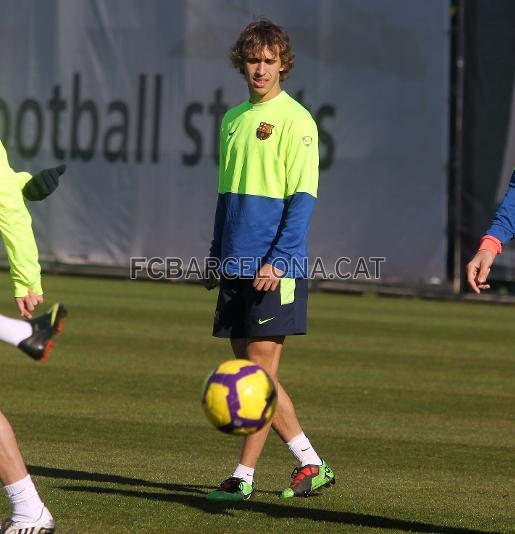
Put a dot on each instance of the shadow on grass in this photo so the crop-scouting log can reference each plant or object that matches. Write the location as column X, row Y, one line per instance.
column 194, row 496
column 68, row 474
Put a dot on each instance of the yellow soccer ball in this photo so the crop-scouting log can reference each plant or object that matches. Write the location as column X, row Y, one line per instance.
column 239, row 397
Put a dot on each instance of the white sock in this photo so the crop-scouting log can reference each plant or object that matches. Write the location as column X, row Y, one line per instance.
column 13, row 331
column 244, row 472
column 24, row 498
column 303, row 451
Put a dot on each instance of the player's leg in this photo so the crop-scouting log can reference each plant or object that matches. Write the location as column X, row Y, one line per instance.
column 312, row 473
column 229, row 323
column 12, row 467
column 14, row 331
column 29, row 514
column 267, row 354
column 284, row 312
column 240, row 485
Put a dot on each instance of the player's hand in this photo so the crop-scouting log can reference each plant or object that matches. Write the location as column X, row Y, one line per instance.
column 27, row 303
column 478, row 270
column 43, row 184
column 268, row 278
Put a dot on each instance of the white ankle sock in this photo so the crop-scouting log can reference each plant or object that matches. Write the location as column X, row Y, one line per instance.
column 13, row 331
column 24, row 498
column 247, row 473
column 303, row 451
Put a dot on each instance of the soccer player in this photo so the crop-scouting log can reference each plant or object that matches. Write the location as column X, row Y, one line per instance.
column 501, row 230
column 267, row 190
column 33, row 336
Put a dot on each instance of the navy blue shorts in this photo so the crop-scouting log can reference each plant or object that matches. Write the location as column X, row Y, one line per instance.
column 243, row 312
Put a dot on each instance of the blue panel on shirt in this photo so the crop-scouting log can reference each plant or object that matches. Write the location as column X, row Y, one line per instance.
column 246, row 225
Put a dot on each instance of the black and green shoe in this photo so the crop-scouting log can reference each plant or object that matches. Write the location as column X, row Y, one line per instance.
column 308, row 479
column 232, row 489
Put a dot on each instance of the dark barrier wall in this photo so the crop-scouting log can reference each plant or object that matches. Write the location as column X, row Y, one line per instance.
column 489, row 121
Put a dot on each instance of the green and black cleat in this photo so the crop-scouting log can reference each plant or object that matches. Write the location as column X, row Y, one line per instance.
column 232, row 489
column 308, row 480
column 39, row 345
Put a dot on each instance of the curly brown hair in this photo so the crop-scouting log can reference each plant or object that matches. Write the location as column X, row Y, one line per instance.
column 259, row 35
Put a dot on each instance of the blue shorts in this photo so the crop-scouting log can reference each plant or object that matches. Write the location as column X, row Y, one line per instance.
column 243, row 312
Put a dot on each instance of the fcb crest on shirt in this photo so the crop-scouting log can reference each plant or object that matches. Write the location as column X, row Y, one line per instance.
column 264, row 130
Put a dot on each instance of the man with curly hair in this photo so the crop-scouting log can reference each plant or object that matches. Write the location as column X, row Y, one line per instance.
column 268, row 183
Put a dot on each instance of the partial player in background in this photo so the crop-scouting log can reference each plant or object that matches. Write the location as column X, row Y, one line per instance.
column 267, row 191
column 502, row 230
column 32, row 336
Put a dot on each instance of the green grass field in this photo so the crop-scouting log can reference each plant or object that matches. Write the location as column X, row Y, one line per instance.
column 411, row 402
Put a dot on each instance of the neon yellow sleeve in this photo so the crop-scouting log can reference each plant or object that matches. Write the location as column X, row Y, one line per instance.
column 21, row 177
column 302, row 159
column 16, row 230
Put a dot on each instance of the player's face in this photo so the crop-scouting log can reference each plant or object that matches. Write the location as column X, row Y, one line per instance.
column 262, row 71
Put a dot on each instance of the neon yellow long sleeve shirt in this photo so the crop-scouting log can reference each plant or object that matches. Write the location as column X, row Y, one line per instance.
column 267, row 187
column 16, row 230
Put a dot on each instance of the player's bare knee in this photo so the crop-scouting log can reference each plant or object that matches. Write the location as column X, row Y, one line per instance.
column 266, row 362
